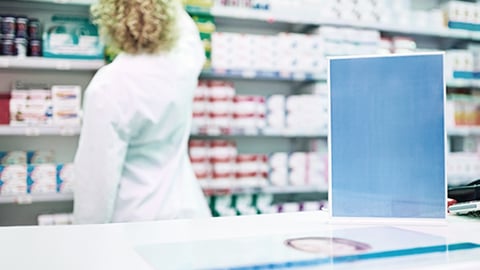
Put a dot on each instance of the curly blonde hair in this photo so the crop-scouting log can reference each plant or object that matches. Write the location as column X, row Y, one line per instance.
column 137, row 26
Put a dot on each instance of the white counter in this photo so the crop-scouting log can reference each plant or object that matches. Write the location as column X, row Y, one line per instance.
column 116, row 246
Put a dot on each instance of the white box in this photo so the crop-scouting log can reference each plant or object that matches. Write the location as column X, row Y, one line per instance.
column 42, row 178
column 13, row 179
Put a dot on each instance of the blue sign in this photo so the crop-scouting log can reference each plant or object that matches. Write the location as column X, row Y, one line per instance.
column 387, row 137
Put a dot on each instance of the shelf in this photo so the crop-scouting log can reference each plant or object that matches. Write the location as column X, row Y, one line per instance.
column 267, row 132
column 13, row 62
column 66, row 2
column 464, row 131
column 6, row 130
column 455, row 181
column 262, row 75
column 464, row 83
column 269, row 16
column 224, row 188
column 34, row 198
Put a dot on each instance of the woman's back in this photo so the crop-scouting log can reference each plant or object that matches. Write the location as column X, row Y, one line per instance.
column 150, row 105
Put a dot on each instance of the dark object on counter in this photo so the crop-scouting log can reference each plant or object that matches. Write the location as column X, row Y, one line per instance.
column 470, row 192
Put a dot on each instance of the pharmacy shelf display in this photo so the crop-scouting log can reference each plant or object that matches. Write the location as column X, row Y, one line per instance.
column 209, row 187
column 267, row 132
column 213, row 187
column 464, row 83
column 7, row 130
column 464, row 131
column 262, row 75
column 35, row 198
column 42, row 63
column 65, row 2
column 270, row 17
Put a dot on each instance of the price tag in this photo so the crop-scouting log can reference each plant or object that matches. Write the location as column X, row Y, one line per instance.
column 284, row 74
column 32, row 131
column 214, row 132
column 24, row 199
column 299, row 76
column 63, row 65
column 67, row 131
column 250, row 131
column 249, row 74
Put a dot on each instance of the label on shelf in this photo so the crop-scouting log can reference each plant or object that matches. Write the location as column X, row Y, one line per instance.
column 23, row 199
column 250, row 74
column 63, row 65
column 32, row 131
column 67, row 131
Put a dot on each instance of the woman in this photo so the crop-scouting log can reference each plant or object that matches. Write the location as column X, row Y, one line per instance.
column 132, row 162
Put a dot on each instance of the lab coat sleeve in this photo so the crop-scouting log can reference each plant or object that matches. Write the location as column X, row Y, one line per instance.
column 100, row 156
column 190, row 45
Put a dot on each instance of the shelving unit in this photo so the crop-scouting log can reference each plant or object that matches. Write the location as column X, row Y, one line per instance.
column 464, row 131
column 270, row 17
column 63, row 140
column 222, row 188
column 265, row 132
column 260, row 82
column 41, row 63
column 6, row 130
column 231, row 74
column 36, row 198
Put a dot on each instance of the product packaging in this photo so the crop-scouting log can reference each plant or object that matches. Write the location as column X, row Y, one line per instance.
column 41, row 178
column 13, row 179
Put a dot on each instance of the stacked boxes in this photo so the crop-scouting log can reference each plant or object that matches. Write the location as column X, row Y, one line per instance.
column 284, row 52
column 58, row 106
column 13, row 179
column 232, row 205
column 65, row 177
column 213, row 103
column 276, row 111
column 462, row 110
column 217, row 107
column 459, row 64
column 219, row 162
column 307, row 112
column 41, row 178
column 462, row 168
column 251, row 170
column 278, row 169
column 249, row 112
column 289, row 52
column 348, row 41
column 33, row 172
column 462, row 15
column 31, row 107
column 299, row 169
column 222, row 158
column 298, row 112
column 66, row 104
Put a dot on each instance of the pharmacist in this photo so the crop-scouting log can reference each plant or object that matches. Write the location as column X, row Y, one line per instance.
column 132, row 162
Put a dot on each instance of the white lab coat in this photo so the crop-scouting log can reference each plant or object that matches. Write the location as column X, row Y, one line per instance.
column 132, row 160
